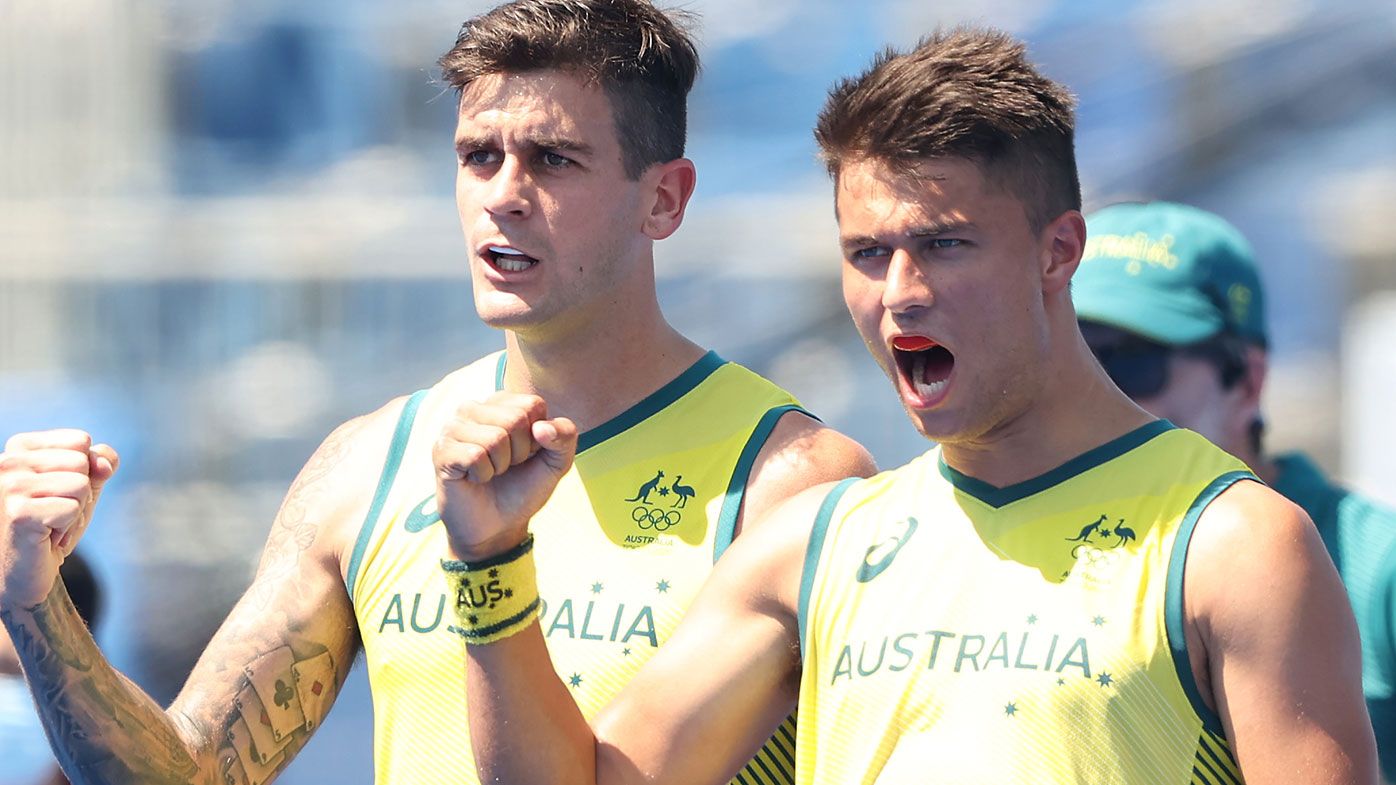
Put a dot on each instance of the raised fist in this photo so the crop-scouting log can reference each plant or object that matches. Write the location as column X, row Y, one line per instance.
column 497, row 461
column 49, row 484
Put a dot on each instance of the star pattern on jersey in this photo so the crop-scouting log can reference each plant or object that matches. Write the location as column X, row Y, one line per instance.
column 1098, row 621
column 597, row 587
column 1104, row 680
column 472, row 619
column 625, row 652
column 1032, row 618
column 664, row 491
column 576, row 680
column 1010, row 709
column 1061, row 682
column 494, row 572
column 508, row 593
column 662, row 587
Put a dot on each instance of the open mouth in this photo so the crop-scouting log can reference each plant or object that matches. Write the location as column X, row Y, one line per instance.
column 924, row 366
column 508, row 259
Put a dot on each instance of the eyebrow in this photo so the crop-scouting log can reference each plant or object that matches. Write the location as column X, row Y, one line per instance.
column 936, row 228
column 560, row 144
column 933, row 229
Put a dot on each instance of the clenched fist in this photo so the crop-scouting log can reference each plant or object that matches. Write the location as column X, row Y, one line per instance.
column 49, row 484
column 497, row 462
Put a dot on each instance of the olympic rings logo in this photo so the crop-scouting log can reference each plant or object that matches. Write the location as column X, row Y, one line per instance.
column 1095, row 556
column 655, row 518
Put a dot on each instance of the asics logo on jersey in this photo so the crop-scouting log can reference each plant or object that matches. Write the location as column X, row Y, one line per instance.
column 419, row 518
column 885, row 551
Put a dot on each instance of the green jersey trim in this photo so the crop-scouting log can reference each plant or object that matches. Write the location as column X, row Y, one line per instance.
column 1173, row 618
column 1000, row 497
column 385, row 483
column 812, row 553
column 651, row 405
column 736, row 488
column 1213, row 763
column 499, row 371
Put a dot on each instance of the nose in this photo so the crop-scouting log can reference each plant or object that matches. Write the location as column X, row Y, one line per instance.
column 907, row 286
column 508, row 191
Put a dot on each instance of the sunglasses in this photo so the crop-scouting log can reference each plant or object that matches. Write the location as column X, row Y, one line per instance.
column 1140, row 367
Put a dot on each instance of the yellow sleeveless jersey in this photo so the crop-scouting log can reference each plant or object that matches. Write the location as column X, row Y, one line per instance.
column 959, row 633
column 622, row 548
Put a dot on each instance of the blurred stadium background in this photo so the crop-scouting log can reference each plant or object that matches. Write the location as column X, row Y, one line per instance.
column 226, row 227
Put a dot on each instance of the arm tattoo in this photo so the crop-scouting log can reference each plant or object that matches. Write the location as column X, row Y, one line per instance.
column 278, row 682
column 294, row 530
column 102, row 728
column 279, row 702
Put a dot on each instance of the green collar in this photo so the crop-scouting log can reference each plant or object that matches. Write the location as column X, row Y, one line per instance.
column 998, row 497
column 651, row 404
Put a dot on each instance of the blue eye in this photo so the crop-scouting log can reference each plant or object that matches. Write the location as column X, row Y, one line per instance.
column 555, row 160
column 477, row 158
column 946, row 242
column 871, row 253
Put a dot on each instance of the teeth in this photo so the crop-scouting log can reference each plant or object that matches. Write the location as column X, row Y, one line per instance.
column 512, row 265
column 918, row 374
column 930, row 390
column 510, row 259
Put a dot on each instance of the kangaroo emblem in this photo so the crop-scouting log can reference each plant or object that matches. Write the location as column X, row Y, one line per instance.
column 643, row 495
column 1124, row 533
column 684, row 492
column 1088, row 530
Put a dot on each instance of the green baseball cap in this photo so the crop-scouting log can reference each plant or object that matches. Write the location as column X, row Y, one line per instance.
column 1170, row 273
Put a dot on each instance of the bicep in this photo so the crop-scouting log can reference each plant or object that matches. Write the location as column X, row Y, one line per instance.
column 270, row 674
column 1282, row 645
column 800, row 453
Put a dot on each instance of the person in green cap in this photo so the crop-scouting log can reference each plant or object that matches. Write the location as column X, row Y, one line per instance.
column 1170, row 302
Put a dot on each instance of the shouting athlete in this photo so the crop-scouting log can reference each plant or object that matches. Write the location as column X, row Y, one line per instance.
column 1065, row 590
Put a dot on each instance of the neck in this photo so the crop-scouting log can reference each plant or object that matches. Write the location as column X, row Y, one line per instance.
column 594, row 373
column 1075, row 409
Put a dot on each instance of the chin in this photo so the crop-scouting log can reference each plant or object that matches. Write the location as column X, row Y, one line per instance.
column 933, row 425
column 505, row 312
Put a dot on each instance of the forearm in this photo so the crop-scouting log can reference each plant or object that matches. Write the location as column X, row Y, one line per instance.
column 524, row 725
column 103, row 728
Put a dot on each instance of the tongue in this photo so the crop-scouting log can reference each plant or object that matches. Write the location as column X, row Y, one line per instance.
column 912, row 343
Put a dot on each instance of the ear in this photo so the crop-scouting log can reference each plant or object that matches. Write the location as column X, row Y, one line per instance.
column 673, row 183
column 1063, row 241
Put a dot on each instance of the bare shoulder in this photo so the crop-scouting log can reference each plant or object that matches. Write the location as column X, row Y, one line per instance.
column 334, row 488
column 800, row 453
column 1251, row 532
column 1251, row 542
column 769, row 559
column 295, row 624
column 1273, row 643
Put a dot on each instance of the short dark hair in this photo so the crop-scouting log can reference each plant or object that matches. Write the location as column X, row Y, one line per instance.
column 964, row 93
column 642, row 57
